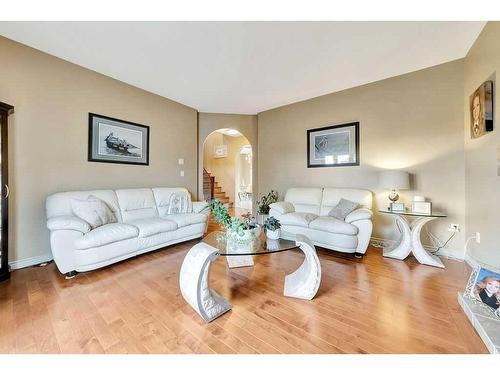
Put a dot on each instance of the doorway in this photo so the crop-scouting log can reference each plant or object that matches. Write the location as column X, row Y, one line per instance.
column 227, row 169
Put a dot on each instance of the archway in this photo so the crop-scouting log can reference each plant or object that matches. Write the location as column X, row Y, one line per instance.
column 227, row 161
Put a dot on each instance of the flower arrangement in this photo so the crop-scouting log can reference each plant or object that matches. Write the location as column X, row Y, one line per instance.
column 265, row 201
column 237, row 229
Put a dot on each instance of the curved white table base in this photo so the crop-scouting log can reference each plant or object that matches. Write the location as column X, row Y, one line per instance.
column 193, row 281
column 304, row 282
column 410, row 242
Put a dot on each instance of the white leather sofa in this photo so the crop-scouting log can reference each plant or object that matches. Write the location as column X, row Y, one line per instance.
column 142, row 225
column 305, row 211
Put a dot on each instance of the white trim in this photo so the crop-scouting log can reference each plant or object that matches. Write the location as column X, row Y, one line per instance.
column 470, row 261
column 27, row 262
column 446, row 253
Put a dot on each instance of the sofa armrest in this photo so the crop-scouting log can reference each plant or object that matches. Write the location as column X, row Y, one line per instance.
column 68, row 222
column 359, row 214
column 199, row 206
column 282, row 207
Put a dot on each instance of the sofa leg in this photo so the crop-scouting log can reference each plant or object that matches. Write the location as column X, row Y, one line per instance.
column 70, row 275
column 358, row 255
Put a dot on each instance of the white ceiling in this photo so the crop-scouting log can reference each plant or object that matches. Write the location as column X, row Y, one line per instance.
column 248, row 67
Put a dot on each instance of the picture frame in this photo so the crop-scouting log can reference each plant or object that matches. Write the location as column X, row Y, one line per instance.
column 220, row 151
column 333, row 146
column 481, row 110
column 397, row 207
column 112, row 140
column 476, row 292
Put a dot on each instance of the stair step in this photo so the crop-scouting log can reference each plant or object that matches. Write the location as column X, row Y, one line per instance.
column 223, row 200
column 220, row 194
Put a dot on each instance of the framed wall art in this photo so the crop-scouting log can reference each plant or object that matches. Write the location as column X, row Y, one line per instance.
column 333, row 146
column 481, row 110
column 117, row 141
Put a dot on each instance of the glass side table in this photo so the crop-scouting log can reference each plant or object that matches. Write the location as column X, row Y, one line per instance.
column 410, row 237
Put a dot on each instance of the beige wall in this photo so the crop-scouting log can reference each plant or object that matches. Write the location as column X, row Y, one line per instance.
column 49, row 131
column 482, row 184
column 210, row 122
column 224, row 169
column 412, row 122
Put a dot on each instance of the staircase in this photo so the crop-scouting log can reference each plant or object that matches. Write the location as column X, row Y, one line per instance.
column 211, row 188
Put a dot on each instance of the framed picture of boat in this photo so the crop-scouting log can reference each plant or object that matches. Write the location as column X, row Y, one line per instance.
column 117, row 141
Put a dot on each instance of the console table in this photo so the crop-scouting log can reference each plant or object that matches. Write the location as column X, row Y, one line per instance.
column 410, row 237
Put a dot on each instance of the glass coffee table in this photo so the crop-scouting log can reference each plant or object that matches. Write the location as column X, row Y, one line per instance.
column 241, row 254
column 303, row 283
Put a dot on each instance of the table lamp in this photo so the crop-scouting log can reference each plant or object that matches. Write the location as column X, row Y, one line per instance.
column 394, row 180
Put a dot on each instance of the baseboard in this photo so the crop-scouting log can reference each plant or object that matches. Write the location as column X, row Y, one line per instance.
column 28, row 262
column 447, row 253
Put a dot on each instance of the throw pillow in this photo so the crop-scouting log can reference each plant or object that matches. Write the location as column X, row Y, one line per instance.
column 93, row 210
column 342, row 209
column 179, row 204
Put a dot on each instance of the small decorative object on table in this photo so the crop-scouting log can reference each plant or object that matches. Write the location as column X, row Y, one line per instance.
column 263, row 205
column 419, row 205
column 239, row 232
column 394, row 180
column 273, row 228
column 397, row 206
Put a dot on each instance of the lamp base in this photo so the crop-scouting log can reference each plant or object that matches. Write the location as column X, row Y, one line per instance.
column 393, row 196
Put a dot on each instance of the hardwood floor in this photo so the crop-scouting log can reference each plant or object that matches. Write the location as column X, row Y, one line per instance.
column 372, row 305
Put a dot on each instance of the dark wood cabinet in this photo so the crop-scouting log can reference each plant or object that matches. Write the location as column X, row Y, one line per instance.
column 5, row 111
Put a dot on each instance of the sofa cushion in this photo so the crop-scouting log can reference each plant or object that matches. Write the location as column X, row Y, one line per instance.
column 106, row 234
column 136, row 204
column 282, row 207
column 305, row 199
column 342, row 209
column 300, row 219
column 60, row 203
column 180, row 204
column 332, row 196
column 93, row 210
column 333, row 225
column 152, row 226
column 183, row 220
column 162, row 197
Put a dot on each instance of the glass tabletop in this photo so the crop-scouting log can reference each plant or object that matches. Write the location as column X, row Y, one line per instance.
column 410, row 213
column 258, row 246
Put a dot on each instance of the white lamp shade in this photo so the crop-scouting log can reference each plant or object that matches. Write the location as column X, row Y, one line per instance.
column 398, row 180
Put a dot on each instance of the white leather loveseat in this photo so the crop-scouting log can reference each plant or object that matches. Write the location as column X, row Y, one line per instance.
column 305, row 211
column 142, row 225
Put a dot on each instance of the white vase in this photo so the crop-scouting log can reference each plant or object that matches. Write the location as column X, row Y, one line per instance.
column 261, row 218
column 273, row 234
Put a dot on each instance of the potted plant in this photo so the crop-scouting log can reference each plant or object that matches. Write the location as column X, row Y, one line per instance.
column 263, row 205
column 273, row 228
column 240, row 230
